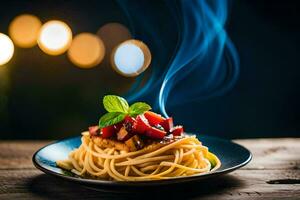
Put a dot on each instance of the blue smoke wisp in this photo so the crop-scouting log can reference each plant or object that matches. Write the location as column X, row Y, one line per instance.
column 205, row 62
column 199, row 57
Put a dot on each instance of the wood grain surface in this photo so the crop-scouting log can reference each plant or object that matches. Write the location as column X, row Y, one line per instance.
column 274, row 173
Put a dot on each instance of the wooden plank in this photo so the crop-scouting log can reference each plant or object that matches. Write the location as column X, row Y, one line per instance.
column 274, row 173
column 280, row 153
column 239, row 184
column 18, row 154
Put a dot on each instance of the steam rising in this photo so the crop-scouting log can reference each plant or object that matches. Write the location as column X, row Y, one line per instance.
column 205, row 63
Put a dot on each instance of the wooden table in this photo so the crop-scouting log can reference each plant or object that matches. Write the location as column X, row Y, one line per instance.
column 274, row 173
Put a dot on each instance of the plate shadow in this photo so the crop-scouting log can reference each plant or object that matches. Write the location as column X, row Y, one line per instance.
column 49, row 187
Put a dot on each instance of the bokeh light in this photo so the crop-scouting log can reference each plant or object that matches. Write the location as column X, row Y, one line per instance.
column 112, row 34
column 87, row 50
column 55, row 37
column 24, row 30
column 6, row 49
column 131, row 58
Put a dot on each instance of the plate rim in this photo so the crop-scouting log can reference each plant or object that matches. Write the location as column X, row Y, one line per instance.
column 174, row 180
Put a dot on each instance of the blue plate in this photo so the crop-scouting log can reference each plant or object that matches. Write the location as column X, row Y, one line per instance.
column 232, row 156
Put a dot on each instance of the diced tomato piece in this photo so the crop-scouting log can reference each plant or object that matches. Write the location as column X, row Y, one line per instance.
column 128, row 123
column 135, row 143
column 118, row 126
column 129, row 119
column 158, row 126
column 167, row 124
column 94, row 130
column 123, row 134
column 108, row 131
column 153, row 118
column 155, row 133
column 177, row 130
column 141, row 124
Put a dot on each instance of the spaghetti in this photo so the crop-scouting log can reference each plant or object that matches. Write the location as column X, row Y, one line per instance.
column 131, row 143
column 182, row 157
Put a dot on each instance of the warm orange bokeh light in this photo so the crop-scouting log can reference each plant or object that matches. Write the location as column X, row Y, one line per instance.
column 86, row 50
column 112, row 34
column 55, row 37
column 24, row 30
column 131, row 58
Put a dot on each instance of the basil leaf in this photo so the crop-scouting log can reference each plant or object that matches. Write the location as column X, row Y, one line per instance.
column 113, row 103
column 111, row 118
column 138, row 108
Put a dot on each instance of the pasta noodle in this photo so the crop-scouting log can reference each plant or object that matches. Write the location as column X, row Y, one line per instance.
column 183, row 157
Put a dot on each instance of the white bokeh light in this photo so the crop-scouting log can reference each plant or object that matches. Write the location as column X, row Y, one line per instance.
column 55, row 37
column 129, row 59
column 6, row 49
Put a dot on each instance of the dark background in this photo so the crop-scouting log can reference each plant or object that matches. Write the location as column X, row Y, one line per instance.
column 42, row 96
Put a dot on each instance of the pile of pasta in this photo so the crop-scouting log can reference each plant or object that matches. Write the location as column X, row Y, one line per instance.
column 183, row 157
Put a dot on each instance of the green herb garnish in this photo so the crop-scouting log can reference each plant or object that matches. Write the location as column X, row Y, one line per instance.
column 117, row 108
column 113, row 103
column 138, row 108
column 111, row 119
